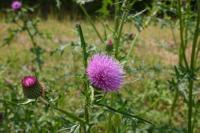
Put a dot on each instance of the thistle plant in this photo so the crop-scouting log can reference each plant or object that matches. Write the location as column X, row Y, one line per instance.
column 19, row 15
column 187, row 70
column 102, row 76
column 34, row 91
column 32, row 88
column 87, row 91
column 122, row 15
column 105, row 74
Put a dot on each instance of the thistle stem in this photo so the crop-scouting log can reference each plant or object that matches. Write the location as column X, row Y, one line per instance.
column 173, row 105
column 86, row 83
column 190, row 107
column 192, row 70
column 34, row 47
column 69, row 114
column 92, row 23
column 120, row 29
column 182, row 56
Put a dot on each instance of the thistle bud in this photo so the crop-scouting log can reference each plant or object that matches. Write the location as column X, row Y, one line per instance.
column 32, row 88
column 109, row 46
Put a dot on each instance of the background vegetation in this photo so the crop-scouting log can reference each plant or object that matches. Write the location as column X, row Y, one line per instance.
column 153, row 98
column 66, row 8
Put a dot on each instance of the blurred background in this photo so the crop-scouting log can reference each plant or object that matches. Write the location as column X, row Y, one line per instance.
column 69, row 8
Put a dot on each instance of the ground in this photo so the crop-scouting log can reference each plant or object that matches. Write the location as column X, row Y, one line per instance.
column 145, row 91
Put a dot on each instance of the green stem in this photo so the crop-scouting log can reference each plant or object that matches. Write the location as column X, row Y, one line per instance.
column 69, row 114
column 198, row 49
column 7, row 101
column 196, row 36
column 92, row 23
column 106, row 107
column 190, row 107
column 173, row 33
column 110, row 115
column 195, row 119
column 132, row 44
column 187, row 14
column 173, row 105
column 193, row 60
column 120, row 28
column 34, row 47
column 83, row 45
column 86, row 83
column 192, row 70
column 182, row 56
column 116, row 8
column 116, row 21
column 31, row 37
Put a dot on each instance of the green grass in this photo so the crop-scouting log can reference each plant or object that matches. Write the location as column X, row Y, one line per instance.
column 145, row 91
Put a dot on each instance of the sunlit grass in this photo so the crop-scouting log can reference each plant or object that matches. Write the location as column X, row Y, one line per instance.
column 145, row 88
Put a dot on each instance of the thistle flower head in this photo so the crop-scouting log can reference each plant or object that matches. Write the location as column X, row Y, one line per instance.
column 31, row 87
column 16, row 5
column 29, row 82
column 105, row 73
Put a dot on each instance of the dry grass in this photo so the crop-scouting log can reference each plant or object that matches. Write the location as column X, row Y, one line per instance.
column 155, row 46
column 154, row 41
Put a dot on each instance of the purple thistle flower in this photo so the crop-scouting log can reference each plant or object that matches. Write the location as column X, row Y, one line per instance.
column 105, row 73
column 31, row 87
column 29, row 82
column 16, row 5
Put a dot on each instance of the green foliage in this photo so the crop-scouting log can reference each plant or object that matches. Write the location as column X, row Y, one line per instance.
column 71, row 104
column 104, row 9
column 23, row 23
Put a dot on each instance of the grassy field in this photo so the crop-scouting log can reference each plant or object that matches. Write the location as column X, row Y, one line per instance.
column 145, row 91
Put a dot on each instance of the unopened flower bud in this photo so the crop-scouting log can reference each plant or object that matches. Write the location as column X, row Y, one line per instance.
column 32, row 88
column 109, row 46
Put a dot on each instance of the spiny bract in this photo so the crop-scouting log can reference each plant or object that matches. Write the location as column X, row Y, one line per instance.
column 31, row 87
